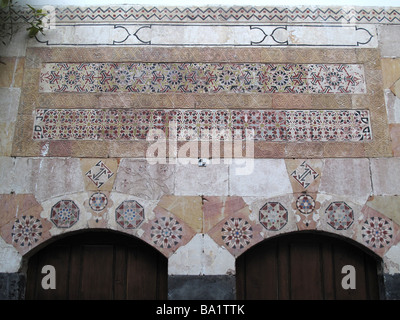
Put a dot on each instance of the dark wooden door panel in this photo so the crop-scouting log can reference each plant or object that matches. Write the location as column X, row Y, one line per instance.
column 57, row 256
column 305, row 271
column 101, row 266
column 97, row 272
column 305, row 266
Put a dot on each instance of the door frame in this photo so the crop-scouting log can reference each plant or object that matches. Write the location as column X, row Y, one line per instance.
column 379, row 261
column 112, row 237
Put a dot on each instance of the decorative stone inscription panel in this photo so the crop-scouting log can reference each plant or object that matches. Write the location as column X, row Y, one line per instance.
column 102, row 102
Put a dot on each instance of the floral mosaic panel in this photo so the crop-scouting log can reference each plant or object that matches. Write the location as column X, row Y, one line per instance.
column 273, row 216
column 203, row 78
column 26, row 231
column 64, row 214
column 129, row 214
column 377, row 232
column 236, row 233
column 340, row 215
column 98, row 201
column 263, row 125
column 305, row 204
column 166, row 232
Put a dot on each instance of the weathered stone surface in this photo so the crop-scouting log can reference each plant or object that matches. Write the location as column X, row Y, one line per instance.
column 201, row 256
column 389, row 38
column 346, row 177
column 392, row 286
column 385, row 173
column 144, row 180
column 10, row 259
column 262, row 177
column 194, row 180
column 12, row 286
column 46, row 178
column 387, row 205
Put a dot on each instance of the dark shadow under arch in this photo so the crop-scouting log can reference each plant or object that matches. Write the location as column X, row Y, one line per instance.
column 98, row 264
column 307, row 265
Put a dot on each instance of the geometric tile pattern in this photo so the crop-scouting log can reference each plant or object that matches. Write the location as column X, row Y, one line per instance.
column 304, row 174
column 129, row 214
column 273, row 216
column 99, row 174
column 236, row 233
column 305, row 204
column 202, row 78
column 166, row 232
column 64, row 214
column 207, row 124
column 377, row 232
column 26, row 231
column 340, row 215
column 98, row 201
column 218, row 14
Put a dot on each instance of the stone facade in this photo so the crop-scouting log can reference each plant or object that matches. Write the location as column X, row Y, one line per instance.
column 202, row 132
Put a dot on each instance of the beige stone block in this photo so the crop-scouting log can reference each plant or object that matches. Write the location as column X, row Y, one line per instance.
column 189, row 209
column 395, row 136
column 6, row 138
column 387, row 205
column 395, row 88
column 7, row 72
column 11, row 72
column 390, row 71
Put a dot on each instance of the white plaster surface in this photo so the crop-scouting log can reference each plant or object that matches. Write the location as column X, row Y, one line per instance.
column 389, row 39
column 10, row 259
column 201, row 256
column 9, row 101
column 192, row 180
column 392, row 107
column 392, row 260
column 265, row 178
column 17, row 46
column 184, row 34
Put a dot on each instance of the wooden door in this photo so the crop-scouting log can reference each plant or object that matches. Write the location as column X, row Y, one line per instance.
column 305, row 266
column 99, row 265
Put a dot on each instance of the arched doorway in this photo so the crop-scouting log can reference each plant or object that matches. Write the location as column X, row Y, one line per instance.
column 308, row 266
column 99, row 265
